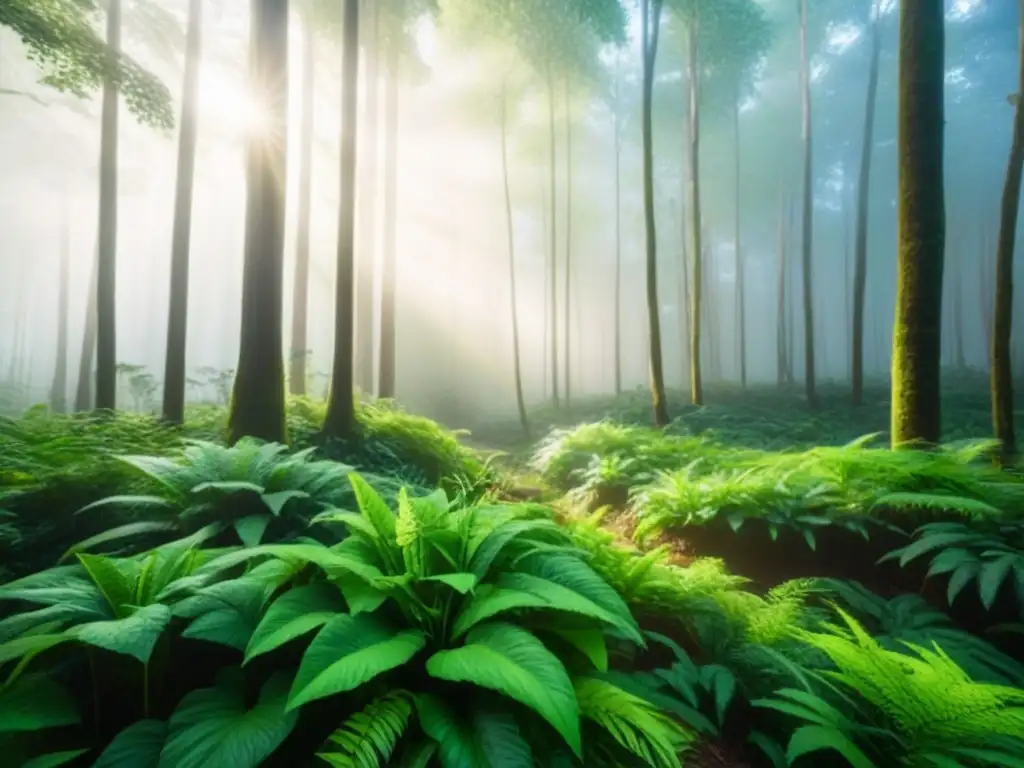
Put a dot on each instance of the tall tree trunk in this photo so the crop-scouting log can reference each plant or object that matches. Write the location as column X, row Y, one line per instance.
column 106, row 283
column 366, row 257
column 860, row 278
column 697, row 244
column 741, row 299
column 388, row 303
column 960, row 355
column 618, row 234
column 516, row 365
column 651, row 25
column 84, row 388
column 177, row 313
column 567, row 301
column 553, row 220
column 59, row 389
column 1002, row 363
column 341, row 416
column 258, row 399
column 808, row 212
column 781, row 332
column 298, row 354
column 917, row 338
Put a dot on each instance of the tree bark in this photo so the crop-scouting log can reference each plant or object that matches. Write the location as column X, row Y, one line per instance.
column 298, row 354
column 106, row 282
column 388, row 303
column 697, row 244
column 651, row 24
column 1002, row 363
column 917, row 337
column 181, row 237
column 860, row 277
column 741, row 298
column 258, row 399
column 341, row 416
column 781, row 332
column 59, row 389
column 810, row 383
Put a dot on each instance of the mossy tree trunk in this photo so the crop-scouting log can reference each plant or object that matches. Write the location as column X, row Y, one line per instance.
column 181, row 237
column 917, row 336
column 298, row 353
column 388, row 302
column 860, row 277
column 106, row 281
column 1002, row 362
column 651, row 26
column 810, row 382
column 258, row 398
column 341, row 416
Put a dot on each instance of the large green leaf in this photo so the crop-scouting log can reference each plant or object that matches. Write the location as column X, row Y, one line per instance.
column 490, row 600
column 349, row 651
column 29, row 645
column 374, row 508
column 487, row 551
column 116, row 577
column 500, row 740
column 212, row 727
column 55, row 615
column 127, row 531
column 333, row 563
column 277, row 501
column 250, row 529
column 512, row 661
column 137, row 746
column 64, row 585
column 457, row 745
column 561, row 598
column 54, row 759
column 135, row 635
column 292, row 615
column 35, row 702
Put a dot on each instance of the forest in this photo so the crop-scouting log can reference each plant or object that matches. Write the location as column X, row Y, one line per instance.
column 511, row 384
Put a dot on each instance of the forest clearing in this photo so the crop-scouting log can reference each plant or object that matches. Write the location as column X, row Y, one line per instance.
column 489, row 384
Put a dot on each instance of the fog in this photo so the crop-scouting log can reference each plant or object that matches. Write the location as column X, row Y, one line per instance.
column 454, row 349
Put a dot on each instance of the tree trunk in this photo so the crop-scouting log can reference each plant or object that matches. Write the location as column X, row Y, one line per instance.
column 960, row 355
column 917, row 338
column 808, row 213
column 59, row 390
column 84, row 389
column 1002, row 363
column 651, row 23
column 567, row 301
column 106, row 283
column 177, row 313
column 618, row 236
column 341, row 416
column 258, row 399
column 697, row 244
column 741, row 299
column 388, row 304
column 781, row 352
column 553, row 217
column 298, row 355
column 860, row 278
column 366, row 257
column 516, row 365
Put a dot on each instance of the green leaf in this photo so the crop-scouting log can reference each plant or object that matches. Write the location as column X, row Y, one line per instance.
column 349, row 651
column 457, row 746
column 993, row 574
column 295, row 613
column 33, row 703
column 276, row 501
column 228, row 487
column 360, row 596
column 510, row 660
column 589, row 642
column 115, row 578
column 133, row 636
column 212, row 727
column 137, row 746
column 813, row 738
column 129, row 501
column 463, row 583
column 369, row 737
column 250, row 529
column 373, row 508
column 331, row 562
column 961, row 577
column 121, row 532
column 29, row 645
column 54, row 759
column 494, row 544
column 500, row 740
column 66, row 585
column 490, row 600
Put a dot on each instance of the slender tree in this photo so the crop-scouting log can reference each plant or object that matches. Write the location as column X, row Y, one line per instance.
column 181, row 237
column 650, row 32
column 340, row 421
column 1002, row 363
column 84, row 388
column 366, row 255
column 740, row 265
column 567, row 300
column 553, row 233
column 808, row 212
column 696, row 224
column 618, row 229
column 298, row 354
column 917, row 337
column 59, row 389
column 258, row 399
column 781, row 332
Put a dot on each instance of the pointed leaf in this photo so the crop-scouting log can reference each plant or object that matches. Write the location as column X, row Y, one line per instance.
column 295, row 613
column 33, row 703
column 250, row 529
column 457, row 746
column 276, row 501
column 129, row 501
column 463, row 583
column 814, row 738
column 134, row 636
column 137, row 746
column 54, row 759
column 127, row 531
column 373, row 508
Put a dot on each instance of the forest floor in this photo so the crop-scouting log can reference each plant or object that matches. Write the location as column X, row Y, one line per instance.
column 740, row 537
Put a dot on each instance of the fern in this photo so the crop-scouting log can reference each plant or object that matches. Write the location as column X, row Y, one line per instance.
column 369, row 737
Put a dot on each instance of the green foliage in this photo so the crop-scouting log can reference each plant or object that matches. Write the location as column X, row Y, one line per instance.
column 62, row 40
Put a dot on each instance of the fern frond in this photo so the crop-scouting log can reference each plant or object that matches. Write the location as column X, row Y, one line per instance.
column 369, row 737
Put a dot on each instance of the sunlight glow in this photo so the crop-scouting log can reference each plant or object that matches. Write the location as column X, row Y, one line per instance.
column 964, row 9
column 228, row 102
column 842, row 36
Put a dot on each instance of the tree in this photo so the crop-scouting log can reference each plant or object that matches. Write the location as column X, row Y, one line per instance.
column 696, row 222
column 62, row 41
column 863, row 202
column 340, row 421
column 650, row 31
column 1002, row 363
column 807, row 240
column 740, row 265
column 106, row 274
column 258, row 399
column 181, row 237
column 83, row 388
column 917, row 336
column 59, row 389
column 618, row 230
